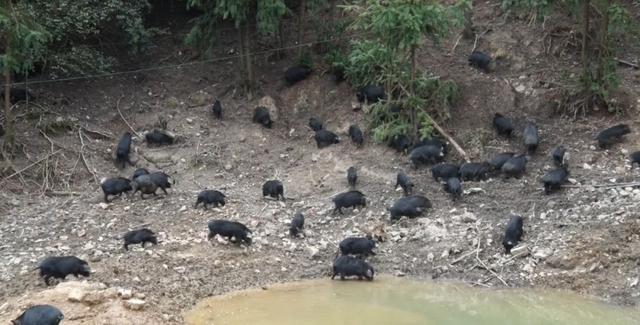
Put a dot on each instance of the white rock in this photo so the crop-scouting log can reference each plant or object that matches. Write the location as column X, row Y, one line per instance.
column 430, row 257
column 313, row 252
column 528, row 268
column 520, row 251
column 103, row 205
column 542, row 253
column 76, row 295
column 134, row 304
column 125, row 293
column 521, row 88
column 469, row 217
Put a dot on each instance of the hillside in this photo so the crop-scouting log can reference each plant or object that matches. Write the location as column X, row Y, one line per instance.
column 585, row 238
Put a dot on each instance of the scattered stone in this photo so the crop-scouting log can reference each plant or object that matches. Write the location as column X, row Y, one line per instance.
column 529, row 268
column 125, row 293
column 542, row 253
column 469, row 217
column 103, row 205
column 520, row 251
column 76, row 295
column 134, row 304
column 313, row 252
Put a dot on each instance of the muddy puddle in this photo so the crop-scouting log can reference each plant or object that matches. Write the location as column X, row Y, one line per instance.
column 389, row 300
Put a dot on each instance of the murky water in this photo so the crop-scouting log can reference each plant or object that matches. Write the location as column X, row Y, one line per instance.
column 400, row 301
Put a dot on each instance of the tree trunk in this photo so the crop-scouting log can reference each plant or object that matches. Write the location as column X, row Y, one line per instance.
column 414, row 110
column 241, row 67
column 9, row 136
column 467, row 32
column 281, row 41
column 302, row 8
column 9, row 133
column 586, row 69
column 603, row 49
column 248, row 60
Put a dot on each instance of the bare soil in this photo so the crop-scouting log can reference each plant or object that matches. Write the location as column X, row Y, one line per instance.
column 585, row 238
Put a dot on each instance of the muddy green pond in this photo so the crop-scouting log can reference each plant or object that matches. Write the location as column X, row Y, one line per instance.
column 389, row 300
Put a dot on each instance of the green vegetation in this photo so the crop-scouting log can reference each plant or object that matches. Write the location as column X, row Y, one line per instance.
column 392, row 33
column 603, row 26
column 82, row 32
column 24, row 43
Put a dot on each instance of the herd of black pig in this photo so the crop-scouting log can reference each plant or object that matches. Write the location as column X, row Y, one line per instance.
column 353, row 250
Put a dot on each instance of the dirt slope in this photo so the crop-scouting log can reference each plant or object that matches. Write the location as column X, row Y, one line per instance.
column 585, row 239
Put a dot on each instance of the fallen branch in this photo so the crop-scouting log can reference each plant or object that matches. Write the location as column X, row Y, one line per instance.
column 482, row 262
column 450, row 139
column 19, row 172
column 84, row 160
column 475, row 43
column 98, row 133
column 627, row 63
column 456, row 44
column 632, row 184
column 125, row 120
column 59, row 193
column 141, row 225
column 465, row 255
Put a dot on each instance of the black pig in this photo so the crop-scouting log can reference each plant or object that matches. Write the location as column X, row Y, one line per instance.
column 261, row 116
column 359, row 246
column 207, row 197
column 115, row 186
column 404, row 181
column 352, row 176
column 297, row 223
column 453, row 187
column 425, row 155
column 139, row 236
column 480, row 60
column 503, row 125
column 531, row 137
column 444, row 171
column 159, row 138
column 356, row 135
column 474, row 171
column 315, row 124
column 372, row 94
column 554, row 179
column 325, row 138
column 346, row 265
column 558, row 156
column 612, row 135
column 216, row 109
column 513, row 233
column 351, row 199
column 229, row 229
column 123, row 149
column 296, row 73
column 59, row 267
column 499, row 160
column 515, row 166
column 410, row 206
column 39, row 315
column 274, row 189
